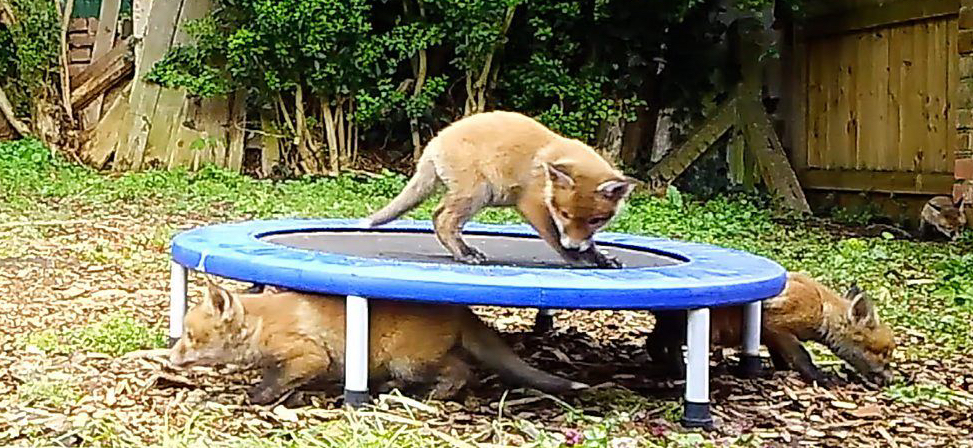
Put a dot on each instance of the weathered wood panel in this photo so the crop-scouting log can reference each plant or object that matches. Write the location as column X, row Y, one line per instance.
column 877, row 100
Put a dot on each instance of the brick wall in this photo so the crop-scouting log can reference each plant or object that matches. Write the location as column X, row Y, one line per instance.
column 964, row 118
column 81, row 41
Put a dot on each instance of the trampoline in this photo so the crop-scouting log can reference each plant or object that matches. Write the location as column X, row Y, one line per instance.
column 403, row 260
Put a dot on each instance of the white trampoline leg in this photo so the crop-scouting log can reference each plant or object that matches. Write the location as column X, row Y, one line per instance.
column 750, row 358
column 356, row 351
column 697, row 413
column 177, row 300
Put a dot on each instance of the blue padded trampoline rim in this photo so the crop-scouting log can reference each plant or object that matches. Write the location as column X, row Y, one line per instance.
column 712, row 276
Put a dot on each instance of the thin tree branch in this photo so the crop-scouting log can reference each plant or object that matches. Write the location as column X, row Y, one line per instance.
column 8, row 113
column 65, row 74
column 7, row 16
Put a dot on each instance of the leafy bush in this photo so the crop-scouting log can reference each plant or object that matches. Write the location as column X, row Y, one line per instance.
column 332, row 74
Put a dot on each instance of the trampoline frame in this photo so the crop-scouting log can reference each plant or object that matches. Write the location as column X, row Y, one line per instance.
column 696, row 412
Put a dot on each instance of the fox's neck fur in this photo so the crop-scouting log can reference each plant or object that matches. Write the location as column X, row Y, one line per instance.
column 253, row 347
column 835, row 324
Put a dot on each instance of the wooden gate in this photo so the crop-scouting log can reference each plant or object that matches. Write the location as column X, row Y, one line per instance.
column 874, row 89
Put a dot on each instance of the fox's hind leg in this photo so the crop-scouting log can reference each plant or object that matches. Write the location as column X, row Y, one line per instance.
column 448, row 219
column 452, row 377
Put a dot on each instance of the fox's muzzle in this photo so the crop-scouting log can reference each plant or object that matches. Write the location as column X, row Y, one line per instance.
column 573, row 244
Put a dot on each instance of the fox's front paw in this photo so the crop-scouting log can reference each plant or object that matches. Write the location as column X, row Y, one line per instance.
column 609, row 262
column 472, row 256
column 601, row 260
column 261, row 394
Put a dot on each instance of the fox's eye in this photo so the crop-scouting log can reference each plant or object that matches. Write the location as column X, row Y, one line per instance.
column 597, row 221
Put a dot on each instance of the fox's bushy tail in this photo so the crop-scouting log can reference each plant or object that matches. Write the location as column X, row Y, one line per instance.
column 487, row 347
column 422, row 184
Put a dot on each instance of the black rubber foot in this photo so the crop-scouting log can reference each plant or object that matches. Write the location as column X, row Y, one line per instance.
column 750, row 366
column 543, row 323
column 173, row 341
column 257, row 288
column 696, row 415
column 356, row 398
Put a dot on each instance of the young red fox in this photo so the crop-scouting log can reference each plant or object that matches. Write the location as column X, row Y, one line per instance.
column 805, row 311
column 942, row 217
column 561, row 186
column 297, row 338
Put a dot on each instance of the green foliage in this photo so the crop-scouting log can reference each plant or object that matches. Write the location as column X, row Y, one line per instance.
column 48, row 393
column 954, row 282
column 270, row 47
column 29, row 52
column 115, row 335
column 930, row 394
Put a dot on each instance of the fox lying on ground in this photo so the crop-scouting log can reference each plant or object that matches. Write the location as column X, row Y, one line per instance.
column 561, row 186
column 297, row 338
column 805, row 311
column 942, row 217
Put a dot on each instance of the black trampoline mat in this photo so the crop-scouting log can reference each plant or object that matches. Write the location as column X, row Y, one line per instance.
column 521, row 251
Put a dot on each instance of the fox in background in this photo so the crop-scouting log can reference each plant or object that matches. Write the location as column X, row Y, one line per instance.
column 298, row 338
column 805, row 311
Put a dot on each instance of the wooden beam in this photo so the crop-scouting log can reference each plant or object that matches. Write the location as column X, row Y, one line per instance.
column 674, row 163
column 163, row 17
column 97, row 150
column 775, row 169
column 97, row 85
column 877, row 181
column 879, row 15
column 99, row 65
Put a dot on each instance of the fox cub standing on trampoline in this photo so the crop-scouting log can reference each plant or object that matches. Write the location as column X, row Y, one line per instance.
column 561, row 186
column 297, row 338
column 805, row 311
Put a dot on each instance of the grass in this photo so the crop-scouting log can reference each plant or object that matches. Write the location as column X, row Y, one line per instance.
column 48, row 392
column 114, row 335
column 926, row 288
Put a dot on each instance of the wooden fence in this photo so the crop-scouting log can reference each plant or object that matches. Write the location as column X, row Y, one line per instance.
column 873, row 92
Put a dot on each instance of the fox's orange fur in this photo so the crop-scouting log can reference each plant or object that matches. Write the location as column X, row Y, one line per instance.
column 297, row 338
column 805, row 311
column 561, row 186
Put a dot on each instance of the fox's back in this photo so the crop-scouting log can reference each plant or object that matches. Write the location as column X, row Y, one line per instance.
column 503, row 147
column 397, row 329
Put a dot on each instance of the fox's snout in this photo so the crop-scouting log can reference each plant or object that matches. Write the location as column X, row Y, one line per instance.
column 178, row 358
column 572, row 244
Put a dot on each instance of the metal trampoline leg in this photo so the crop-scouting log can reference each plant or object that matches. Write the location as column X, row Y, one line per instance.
column 177, row 300
column 697, row 413
column 356, row 351
column 544, row 320
column 750, row 358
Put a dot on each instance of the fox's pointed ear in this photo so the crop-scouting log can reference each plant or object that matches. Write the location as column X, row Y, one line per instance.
column 863, row 311
column 616, row 189
column 853, row 291
column 558, row 173
column 222, row 302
